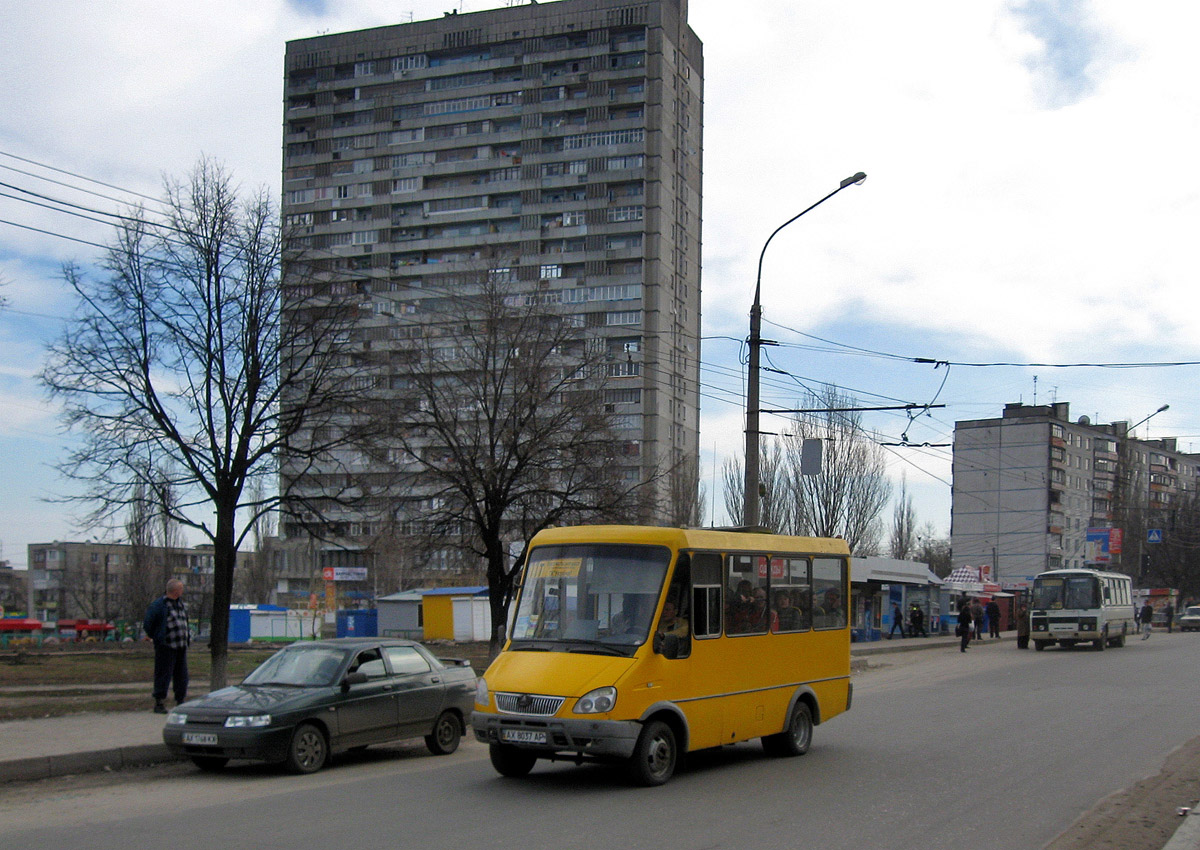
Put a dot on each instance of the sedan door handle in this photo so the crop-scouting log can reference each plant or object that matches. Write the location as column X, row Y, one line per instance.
column 436, row 680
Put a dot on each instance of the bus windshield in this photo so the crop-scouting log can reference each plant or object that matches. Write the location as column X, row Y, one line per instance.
column 1070, row 592
column 590, row 597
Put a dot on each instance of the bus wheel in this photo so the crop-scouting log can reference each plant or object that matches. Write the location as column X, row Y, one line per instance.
column 796, row 738
column 1100, row 645
column 1119, row 640
column 510, row 761
column 1039, row 645
column 655, row 755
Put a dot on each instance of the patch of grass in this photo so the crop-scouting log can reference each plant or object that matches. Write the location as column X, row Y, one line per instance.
column 128, row 664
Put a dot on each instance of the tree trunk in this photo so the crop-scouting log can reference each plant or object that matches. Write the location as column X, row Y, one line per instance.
column 224, row 561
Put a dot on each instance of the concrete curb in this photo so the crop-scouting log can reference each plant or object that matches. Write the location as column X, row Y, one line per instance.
column 1187, row 836
column 45, row 767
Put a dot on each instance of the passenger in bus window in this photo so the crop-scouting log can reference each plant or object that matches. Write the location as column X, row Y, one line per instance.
column 790, row 619
column 741, row 601
column 829, row 614
column 760, row 614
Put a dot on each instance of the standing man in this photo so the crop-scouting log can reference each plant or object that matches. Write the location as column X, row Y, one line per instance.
column 167, row 625
column 1169, row 610
column 993, row 619
column 1146, row 617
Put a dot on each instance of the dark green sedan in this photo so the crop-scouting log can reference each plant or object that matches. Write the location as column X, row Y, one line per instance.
column 317, row 697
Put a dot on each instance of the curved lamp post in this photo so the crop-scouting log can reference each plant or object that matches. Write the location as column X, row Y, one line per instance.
column 1148, row 418
column 750, row 504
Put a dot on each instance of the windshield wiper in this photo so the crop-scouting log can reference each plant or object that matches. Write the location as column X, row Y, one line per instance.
column 583, row 645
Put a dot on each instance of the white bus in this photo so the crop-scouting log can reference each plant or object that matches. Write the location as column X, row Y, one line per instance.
column 1072, row 606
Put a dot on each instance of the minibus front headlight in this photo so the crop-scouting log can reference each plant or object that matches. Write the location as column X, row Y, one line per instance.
column 599, row 701
column 481, row 691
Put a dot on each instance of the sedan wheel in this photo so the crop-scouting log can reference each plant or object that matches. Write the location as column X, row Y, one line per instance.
column 308, row 749
column 445, row 736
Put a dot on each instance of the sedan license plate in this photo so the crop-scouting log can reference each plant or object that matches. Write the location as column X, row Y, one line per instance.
column 522, row 736
column 200, row 739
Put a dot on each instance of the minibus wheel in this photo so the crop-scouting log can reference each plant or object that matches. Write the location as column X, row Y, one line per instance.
column 510, row 761
column 796, row 738
column 1039, row 645
column 655, row 755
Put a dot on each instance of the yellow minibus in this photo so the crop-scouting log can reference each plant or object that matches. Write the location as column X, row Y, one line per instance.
column 638, row 644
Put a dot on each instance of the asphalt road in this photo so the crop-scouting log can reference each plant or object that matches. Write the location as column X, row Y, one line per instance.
column 997, row 747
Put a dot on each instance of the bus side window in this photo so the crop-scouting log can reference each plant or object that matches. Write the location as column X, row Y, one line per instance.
column 706, row 595
column 829, row 593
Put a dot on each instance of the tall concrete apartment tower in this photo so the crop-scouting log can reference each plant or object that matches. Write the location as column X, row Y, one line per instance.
column 562, row 136
column 1035, row 491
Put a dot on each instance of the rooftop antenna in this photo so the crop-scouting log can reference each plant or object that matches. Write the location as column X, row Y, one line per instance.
column 1035, row 390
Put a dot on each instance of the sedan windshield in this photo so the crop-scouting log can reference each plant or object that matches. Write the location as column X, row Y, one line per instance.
column 299, row 665
column 592, row 595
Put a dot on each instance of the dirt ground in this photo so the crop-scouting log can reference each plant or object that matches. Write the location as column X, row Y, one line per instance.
column 1144, row 816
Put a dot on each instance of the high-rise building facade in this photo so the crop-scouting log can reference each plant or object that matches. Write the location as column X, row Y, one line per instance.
column 1034, row 491
column 555, row 146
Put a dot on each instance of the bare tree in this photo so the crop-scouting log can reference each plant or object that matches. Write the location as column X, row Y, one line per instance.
column 777, row 510
column 177, row 372
column 933, row 549
column 260, row 574
column 847, row 497
column 904, row 520
column 506, row 431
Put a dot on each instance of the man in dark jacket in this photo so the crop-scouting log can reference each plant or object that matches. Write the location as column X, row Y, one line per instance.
column 993, row 618
column 166, row 623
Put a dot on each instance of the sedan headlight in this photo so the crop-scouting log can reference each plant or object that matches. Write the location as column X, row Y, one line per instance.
column 599, row 701
column 242, row 721
column 481, row 691
column 176, row 718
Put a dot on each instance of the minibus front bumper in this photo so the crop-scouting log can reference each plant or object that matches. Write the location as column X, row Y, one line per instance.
column 585, row 737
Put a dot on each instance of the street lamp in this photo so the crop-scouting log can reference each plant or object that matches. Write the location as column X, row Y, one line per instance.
column 750, row 503
column 1148, row 418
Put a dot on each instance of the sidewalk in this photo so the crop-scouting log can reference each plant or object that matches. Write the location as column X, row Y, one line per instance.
column 79, row 743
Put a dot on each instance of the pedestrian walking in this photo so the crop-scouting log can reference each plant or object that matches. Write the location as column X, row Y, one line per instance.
column 1022, row 627
column 964, row 625
column 1146, row 617
column 166, row 623
column 1169, row 610
column 977, row 618
column 897, row 621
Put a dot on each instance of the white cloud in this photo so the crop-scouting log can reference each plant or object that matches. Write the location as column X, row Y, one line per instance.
column 1003, row 218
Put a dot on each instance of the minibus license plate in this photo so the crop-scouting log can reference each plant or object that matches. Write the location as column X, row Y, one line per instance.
column 1063, row 627
column 200, row 738
column 522, row 736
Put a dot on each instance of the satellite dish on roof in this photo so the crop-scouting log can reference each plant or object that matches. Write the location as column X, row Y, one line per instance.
column 1083, row 420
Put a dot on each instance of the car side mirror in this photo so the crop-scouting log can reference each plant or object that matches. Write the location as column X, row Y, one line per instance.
column 355, row 678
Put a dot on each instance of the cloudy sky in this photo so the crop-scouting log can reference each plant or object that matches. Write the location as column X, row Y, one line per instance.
column 1033, row 198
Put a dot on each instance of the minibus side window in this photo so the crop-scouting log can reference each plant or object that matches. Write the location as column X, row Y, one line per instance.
column 706, row 595
column 746, row 612
column 829, row 593
column 791, row 595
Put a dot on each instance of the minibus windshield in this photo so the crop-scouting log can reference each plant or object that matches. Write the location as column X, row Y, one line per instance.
column 1073, row 592
column 596, row 597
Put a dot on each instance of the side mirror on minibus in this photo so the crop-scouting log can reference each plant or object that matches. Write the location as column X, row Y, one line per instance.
column 666, row 645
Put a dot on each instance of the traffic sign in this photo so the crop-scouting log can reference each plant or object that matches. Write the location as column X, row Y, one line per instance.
column 1154, row 535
